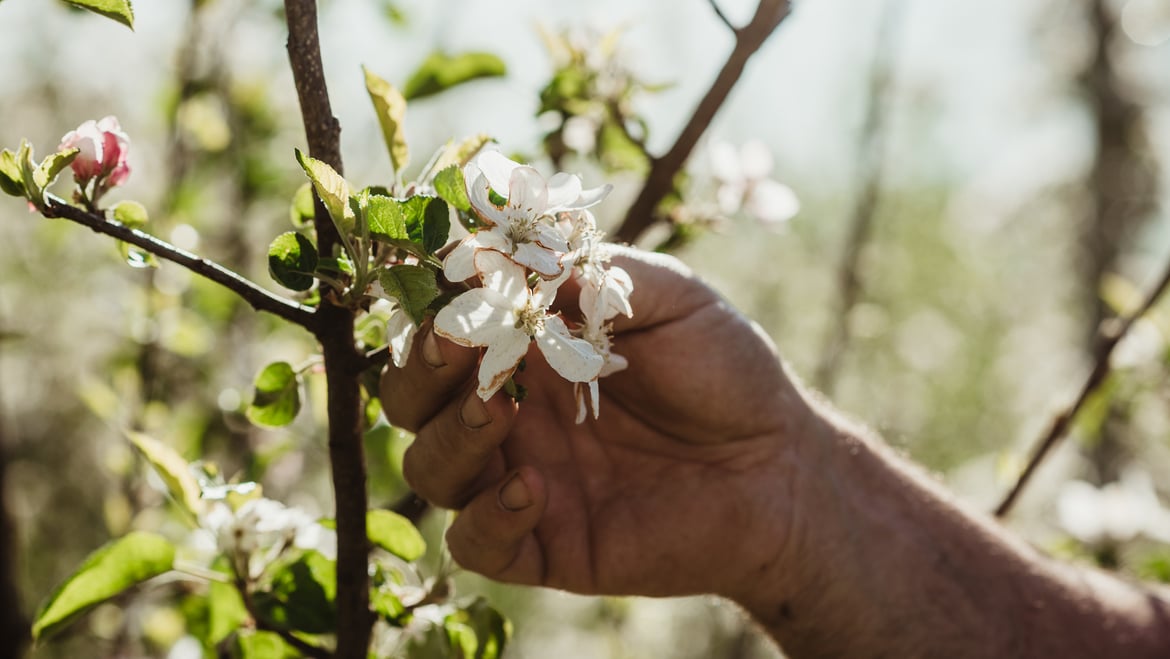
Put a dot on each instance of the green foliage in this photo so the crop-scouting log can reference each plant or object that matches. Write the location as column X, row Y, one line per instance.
column 301, row 595
column 332, row 189
column 51, row 167
column 117, row 10
column 134, row 216
column 451, row 187
column 414, row 286
column 419, row 224
column 395, row 534
column 301, row 211
column 174, row 471
column 11, row 180
column 292, row 260
column 263, row 645
column 441, row 71
column 478, row 631
column 106, row 573
column 390, row 107
column 276, row 398
column 226, row 610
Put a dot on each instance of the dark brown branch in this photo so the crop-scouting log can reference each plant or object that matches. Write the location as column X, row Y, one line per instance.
column 871, row 174
column 343, row 365
column 1108, row 337
column 659, row 182
column 258, row 298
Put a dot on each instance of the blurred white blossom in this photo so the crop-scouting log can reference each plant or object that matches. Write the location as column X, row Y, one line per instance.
column 1117, row 512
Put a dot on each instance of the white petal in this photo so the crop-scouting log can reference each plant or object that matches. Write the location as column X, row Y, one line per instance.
column 590, row 197
column 539, row 259
column 730, row 197
column 725, row 164
column 579, row 395
column 563, row 189
column 613, row 364
column 497, row 168
column 460, row 262
column 527, row 192
column 574, row 359
column 401, row 330
column 755, row 159
column 772, row 202
column 503, row 275
column 475, row 318
column 546, row 289
column 480, row 198
column 550, row 236
column 500, row 361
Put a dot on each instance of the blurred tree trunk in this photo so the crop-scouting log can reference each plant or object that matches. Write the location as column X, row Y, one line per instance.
column 13, row 626
column 1122, row 189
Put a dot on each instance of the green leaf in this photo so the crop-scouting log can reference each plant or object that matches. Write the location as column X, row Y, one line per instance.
column 118, row 10
column 131, row 214
column 440, row 71
column 391, row 108
column 227, row 611
column 106, row 573
column 252, row 644
column 387, row 219
column 173, row 469
column 414, row 286
column 300, row 211
column 11, row 180
column 478, row 630
column 436, row 225
column 459, row 153
column 395, row 534
column 277, row 396
column 292, row 260
column 387, row 605
column 51, row 167
column 302, row 595
column 332, row 189
column 452, row 188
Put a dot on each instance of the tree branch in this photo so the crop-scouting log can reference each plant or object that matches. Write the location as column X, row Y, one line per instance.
column 259, row 298
column 1108, row 337
column 870, row 175
column 748, row 39
column 343, row 365
column 722, row 17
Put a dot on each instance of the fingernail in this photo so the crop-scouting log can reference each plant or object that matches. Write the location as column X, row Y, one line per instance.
column 430, row 351
column 473, row 413
column 514, row 495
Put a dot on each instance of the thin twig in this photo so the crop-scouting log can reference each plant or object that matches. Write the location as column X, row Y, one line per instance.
column 722, row 17
column 343, row 365
column 1108, row 337
column 259, row 298
column 871, row 175
column 659, row 182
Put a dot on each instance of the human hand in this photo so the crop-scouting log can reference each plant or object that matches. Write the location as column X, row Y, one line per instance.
column 679, row 487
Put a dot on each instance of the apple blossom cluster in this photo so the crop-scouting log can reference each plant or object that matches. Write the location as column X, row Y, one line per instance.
column 101, row 162
column 536, row 234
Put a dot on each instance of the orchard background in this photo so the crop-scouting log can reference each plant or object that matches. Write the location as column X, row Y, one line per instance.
column 981, row 185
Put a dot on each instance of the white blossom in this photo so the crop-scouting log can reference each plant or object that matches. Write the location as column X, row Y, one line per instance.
column 745, row 184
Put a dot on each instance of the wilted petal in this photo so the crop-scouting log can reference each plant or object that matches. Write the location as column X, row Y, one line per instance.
column 574, row 359
column 475, row 317
column 400, row 329
column 772, row 202
column 539, row 259
column 500, row 361
column 480, row 198
column 563, row 189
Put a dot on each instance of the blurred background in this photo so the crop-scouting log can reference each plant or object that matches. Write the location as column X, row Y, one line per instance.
column 981, row 184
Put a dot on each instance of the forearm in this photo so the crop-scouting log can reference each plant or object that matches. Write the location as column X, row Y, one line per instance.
column 881, row 562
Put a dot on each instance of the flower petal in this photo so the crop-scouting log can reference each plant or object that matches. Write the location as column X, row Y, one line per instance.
column 501, row 274
column 497, row 168
column 550, row 236
column 574, row 359
column 475, row 318
column 459, row 264
column 563, row 189
column 590, row 197
column 500, row 361
column 400, row 329
column 479, row 194
column 755, row 159
column 539, row 259
column 772, row 202
column 527, row 192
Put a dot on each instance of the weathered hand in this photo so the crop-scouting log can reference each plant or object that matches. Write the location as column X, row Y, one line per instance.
column 673, row 490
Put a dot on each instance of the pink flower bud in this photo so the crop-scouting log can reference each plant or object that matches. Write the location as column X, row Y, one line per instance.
column 103, row 151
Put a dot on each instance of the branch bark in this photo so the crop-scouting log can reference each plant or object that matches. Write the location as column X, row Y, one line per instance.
column 1108, row 337
column 343, row 364
column 259, row 298
column 748, row 39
